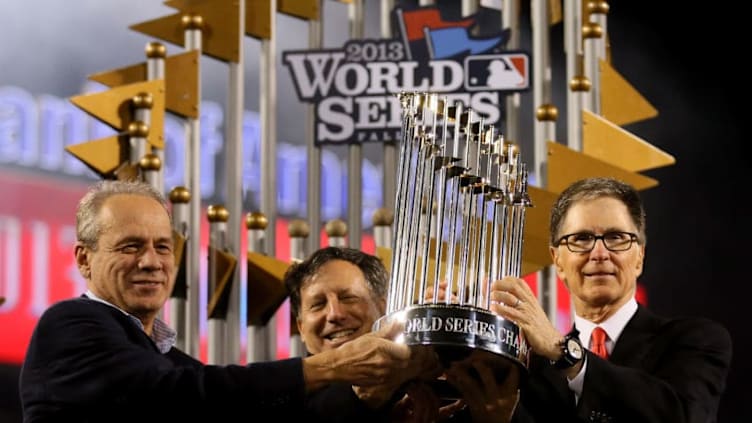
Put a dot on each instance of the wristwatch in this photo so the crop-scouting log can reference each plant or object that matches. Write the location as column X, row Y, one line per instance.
column 571, row 351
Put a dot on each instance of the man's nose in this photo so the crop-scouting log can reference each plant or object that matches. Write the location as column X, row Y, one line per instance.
column 149, row 259
column 599, row 251
column 335, row 310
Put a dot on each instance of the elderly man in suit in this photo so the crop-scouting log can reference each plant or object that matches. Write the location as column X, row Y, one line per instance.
column 106, row 356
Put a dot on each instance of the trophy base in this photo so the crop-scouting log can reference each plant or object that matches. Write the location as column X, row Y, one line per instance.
column 457, row 331
column 463, row 333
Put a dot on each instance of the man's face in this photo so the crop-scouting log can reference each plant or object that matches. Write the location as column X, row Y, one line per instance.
column 133, row 264
column 336, row 306
column 599, row 278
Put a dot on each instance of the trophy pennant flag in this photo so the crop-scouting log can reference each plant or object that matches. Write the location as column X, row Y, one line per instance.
column 460, row 185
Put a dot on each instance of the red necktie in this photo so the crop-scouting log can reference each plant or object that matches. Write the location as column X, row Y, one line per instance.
column 598, row 343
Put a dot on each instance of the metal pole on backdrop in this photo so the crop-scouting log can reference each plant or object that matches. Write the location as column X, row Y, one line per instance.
column 382, row 227
column 594, row 49
column 298, row 230
column 336, row 231
column 150, row 167
column 234, row 183
column 180, row 198
column 139, row 128
column 578, row 82
column 355, row 150
column 155, row 69
column 544, row 130
column 217, row 324
column 510, row 18
column 258, row 338
column 268, row 112
column 193, row 25
column 469, row 7
column 151, row 163
column 315, row 35
column 389, row 166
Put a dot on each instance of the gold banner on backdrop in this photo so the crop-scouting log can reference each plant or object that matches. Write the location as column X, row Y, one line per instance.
column 113, row 107
column 181, row 81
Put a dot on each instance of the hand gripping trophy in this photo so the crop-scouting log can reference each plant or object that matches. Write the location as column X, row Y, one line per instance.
column 459, row 218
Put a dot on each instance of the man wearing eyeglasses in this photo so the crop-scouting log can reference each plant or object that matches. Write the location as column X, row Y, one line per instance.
column 620, row 362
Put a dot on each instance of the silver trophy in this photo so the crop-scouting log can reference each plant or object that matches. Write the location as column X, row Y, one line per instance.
column 459, row 218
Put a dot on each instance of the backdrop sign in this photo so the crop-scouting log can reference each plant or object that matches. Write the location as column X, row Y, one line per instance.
column 353, row 88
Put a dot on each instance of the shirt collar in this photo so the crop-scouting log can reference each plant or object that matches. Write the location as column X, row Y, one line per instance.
column 613, row 326
column 162, row 334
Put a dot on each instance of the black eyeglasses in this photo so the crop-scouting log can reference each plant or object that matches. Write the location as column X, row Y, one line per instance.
column 584, row 242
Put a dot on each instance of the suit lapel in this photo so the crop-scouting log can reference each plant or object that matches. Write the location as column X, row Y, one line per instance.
column 636, row 339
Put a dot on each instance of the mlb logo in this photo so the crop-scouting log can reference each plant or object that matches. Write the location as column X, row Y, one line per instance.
column 497, row 72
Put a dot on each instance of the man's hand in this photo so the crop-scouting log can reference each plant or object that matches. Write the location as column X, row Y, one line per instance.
column 372, row 359
column 422, row 365
column 512, row 299
column 489, row 386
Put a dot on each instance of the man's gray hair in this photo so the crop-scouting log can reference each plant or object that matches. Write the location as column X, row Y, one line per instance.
column 88, row 228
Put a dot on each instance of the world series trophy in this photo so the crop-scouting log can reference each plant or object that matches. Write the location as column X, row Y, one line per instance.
column 458, row 225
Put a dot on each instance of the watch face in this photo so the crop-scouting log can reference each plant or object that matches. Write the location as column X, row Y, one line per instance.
column 574, row 348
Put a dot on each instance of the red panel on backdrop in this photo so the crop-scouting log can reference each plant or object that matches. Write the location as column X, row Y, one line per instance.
column 37, row 266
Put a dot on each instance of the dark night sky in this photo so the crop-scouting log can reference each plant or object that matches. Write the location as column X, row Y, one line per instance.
column 697, row 248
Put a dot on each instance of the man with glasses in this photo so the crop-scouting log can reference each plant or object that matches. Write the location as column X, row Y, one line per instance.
column 620, row 362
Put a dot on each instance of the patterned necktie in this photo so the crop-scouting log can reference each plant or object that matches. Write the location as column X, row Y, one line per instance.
column 598, row 343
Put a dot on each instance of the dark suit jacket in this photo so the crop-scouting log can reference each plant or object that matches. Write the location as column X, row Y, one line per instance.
column 89, row 362
column 338, row 403
column 661, row 370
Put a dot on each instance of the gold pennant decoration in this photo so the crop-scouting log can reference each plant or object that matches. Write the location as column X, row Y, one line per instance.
column 224, row 266
column 266, row 291
column 258, row 19
column 566, row 166
column 103, row 156
column 220, row 28
column 621, row 103
column 181, row 81
column 121, row 76
column 535, row 254
column 303, row 9
column 555, row 12
column 605, row 141
column 167, row 28
column 114, row 107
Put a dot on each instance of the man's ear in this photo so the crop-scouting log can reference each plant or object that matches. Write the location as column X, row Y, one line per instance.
column 640, row 261
column 556, row 258
column 82, row 260
column 300, row 330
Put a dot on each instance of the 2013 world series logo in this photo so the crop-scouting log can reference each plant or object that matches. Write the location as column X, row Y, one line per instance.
column 353, row 88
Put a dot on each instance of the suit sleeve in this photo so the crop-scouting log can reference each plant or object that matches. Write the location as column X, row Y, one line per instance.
column 80, row 355
column 690, row 358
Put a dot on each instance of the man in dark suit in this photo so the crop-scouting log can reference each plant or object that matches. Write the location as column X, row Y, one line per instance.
column 336, row 295
column 635, row 366
column 108, row 357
